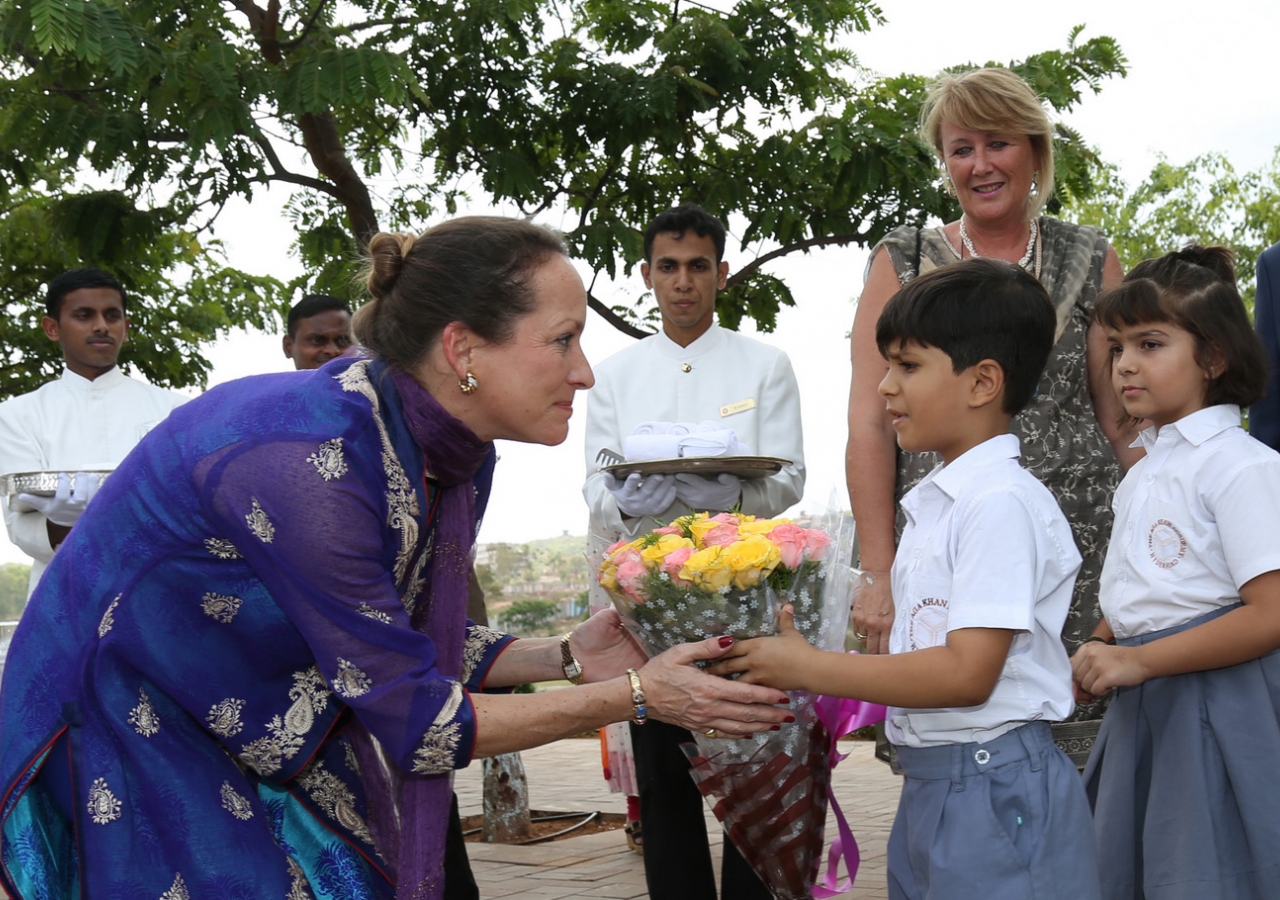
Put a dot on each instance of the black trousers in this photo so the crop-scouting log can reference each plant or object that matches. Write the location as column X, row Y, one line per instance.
column 459, row 883
column 677, row 858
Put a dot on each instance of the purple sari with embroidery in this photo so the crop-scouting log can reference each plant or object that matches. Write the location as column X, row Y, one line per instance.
column 246, row 674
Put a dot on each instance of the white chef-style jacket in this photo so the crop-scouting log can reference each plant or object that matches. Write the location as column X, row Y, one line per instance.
column 723, row 377
column 1196, row 519
column 986, row 546
column 73, row 425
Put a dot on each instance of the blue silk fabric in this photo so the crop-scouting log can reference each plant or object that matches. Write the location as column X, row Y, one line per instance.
column 177, row 707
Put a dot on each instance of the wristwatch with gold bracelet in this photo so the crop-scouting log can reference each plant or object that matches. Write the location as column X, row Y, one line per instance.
column 572, row 668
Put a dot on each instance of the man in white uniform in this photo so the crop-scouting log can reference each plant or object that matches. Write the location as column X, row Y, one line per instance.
column 691, row 371
column 317, row 329
column 87, row 420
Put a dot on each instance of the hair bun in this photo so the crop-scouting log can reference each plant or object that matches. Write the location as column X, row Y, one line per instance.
column 387, row 253
column 1217, row 259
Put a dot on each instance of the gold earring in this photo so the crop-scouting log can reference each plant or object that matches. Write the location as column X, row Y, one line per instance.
column 948, row 183
column 469, row 386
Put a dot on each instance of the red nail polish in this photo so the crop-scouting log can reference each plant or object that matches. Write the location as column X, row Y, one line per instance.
column 786, row 699
column 776, row 728
column 726, row 640
column 789, row 719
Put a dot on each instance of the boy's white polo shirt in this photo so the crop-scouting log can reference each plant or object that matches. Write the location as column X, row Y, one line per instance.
column 985, row 546
column 1196, row 519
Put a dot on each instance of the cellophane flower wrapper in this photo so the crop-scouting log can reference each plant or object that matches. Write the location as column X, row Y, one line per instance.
column 770, row 790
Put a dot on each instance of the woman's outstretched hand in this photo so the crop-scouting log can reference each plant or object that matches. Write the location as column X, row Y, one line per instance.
column 676, row 691
column 775, row 661
column 604, row 647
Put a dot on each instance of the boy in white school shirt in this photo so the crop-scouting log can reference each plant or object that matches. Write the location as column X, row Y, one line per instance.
column 982, row 580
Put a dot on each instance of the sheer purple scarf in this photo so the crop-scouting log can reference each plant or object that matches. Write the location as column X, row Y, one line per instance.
column 413, row 841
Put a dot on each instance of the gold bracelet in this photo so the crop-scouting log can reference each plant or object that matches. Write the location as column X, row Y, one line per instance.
column 640, row 713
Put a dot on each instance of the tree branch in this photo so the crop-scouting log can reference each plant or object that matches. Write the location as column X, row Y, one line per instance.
column 824, row 241
column 616, row 320
column 376, row 23
column 265, row 25
column 280, row 173
column 324, row 144
column 76, row 92
column 306, row 28
column 252, row 12
column 320, row 137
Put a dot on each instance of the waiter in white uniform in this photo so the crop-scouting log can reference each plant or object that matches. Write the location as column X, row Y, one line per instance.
column 691, row 371
column 87, row 420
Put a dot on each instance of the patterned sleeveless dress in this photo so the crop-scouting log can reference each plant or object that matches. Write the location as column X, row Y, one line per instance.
column 1062, row 443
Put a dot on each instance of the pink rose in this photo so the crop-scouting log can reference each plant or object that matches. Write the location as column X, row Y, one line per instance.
column 667, row 529
column 816, row 544
column 721, row 535
column 630, row 572
column 789, row 538
column 725, row 518
column 615, row 546
column 628, row 555
column 674, row 562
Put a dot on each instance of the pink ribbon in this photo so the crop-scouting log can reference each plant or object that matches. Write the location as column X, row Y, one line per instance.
column 841, row 716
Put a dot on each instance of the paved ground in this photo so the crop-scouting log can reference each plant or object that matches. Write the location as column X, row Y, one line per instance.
column 566, row 776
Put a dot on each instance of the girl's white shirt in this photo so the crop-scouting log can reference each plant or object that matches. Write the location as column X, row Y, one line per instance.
column 1195, row 520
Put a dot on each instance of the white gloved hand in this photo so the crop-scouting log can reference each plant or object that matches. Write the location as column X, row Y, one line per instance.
column 64, row 507
column 704, row 494
column 638, row 496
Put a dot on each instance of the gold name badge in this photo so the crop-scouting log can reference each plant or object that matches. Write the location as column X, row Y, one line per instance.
column 740, row 406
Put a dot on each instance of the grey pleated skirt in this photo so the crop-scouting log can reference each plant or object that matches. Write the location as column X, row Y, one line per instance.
column 1185, row 783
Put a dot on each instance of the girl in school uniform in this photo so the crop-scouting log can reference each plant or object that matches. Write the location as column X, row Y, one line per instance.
column 1185, row 775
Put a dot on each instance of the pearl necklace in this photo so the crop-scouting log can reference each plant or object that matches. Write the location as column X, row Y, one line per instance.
column 1033, row 246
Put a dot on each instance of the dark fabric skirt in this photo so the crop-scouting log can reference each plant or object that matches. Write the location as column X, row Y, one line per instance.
column 1185, row 783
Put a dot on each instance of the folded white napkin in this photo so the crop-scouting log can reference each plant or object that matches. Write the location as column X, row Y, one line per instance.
column 668, row 440
column 642, row 447
column 720, row 442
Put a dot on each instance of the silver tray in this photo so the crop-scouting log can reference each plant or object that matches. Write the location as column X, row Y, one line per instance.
column 42, row 484
column 741, row 466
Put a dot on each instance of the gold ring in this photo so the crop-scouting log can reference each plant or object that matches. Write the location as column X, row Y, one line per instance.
column 861, row 637
column 710, row 732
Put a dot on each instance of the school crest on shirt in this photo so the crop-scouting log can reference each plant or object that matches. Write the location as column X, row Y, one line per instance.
column 928, row 627
column 1166, row 544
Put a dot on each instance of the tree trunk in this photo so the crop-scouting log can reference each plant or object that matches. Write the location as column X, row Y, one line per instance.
column 506, row 791
column 506, row 800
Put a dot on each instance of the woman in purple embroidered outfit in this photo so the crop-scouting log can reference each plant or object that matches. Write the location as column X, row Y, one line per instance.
column 248, row 672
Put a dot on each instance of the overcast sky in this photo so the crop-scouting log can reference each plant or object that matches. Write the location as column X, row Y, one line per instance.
column 1202, row 77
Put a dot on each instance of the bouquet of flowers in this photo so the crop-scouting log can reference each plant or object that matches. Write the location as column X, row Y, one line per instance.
column 709, row 575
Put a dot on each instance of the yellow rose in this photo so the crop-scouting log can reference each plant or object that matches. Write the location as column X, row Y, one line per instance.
column 752, row 559
column 655, row 553
column 609, row 575
column 709, row 569
column 699, row 525
column 682, row 522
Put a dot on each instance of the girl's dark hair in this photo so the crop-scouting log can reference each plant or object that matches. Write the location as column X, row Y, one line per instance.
column 1195, row 289
column 474, row 270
